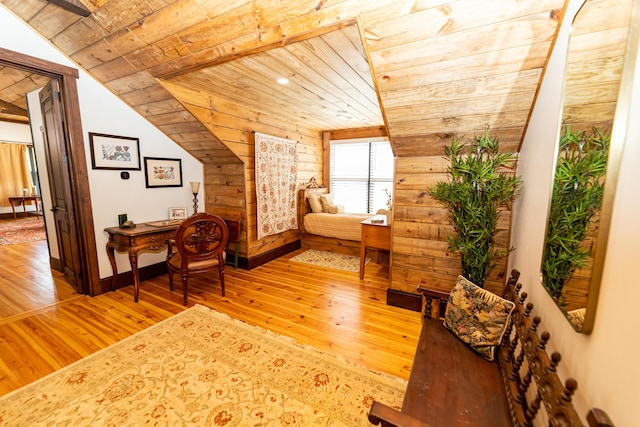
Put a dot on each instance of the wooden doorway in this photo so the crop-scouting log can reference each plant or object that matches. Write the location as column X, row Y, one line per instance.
column 82, row 237
column 59, row 184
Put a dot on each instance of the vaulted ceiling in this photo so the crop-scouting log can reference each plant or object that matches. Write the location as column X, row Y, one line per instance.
column 425, row 69
column 14, row 84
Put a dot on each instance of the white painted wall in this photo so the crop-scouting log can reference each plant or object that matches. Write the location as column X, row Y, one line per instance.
column 15, row 132
column 103, row 112
column 604, row 362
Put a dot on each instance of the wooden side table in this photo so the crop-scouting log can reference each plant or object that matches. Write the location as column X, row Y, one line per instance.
column 374, row 235
column 21, row 200
column 135, row 240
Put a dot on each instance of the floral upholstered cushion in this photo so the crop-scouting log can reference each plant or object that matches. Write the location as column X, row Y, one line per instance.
column 478, row 317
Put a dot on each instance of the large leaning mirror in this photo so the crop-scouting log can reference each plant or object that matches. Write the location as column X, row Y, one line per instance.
column 587, row 159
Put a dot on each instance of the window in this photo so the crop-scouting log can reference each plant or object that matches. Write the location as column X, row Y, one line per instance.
column 361, row 174
column 31, row 158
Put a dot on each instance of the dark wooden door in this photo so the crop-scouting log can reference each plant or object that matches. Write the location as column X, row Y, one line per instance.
column 60, row 183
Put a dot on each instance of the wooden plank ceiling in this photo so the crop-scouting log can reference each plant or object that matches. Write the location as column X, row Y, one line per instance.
column 14, row 84
column 329, row 82
column 438, row 68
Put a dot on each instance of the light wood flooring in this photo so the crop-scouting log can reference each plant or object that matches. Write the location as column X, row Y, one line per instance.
column 45, row 325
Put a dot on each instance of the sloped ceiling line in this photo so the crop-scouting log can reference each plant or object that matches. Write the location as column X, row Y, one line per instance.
column 418, row 48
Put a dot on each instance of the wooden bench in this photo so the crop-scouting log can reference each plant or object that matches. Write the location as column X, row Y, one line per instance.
column 451, row 385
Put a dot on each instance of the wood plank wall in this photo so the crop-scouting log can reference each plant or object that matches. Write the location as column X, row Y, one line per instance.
column 230, row 172
column 420, row 251
column 134, row 50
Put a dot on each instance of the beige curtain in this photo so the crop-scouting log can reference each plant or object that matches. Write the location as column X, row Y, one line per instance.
column 14, row 171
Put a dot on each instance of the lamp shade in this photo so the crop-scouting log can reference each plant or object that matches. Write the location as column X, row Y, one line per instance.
column 195, row 187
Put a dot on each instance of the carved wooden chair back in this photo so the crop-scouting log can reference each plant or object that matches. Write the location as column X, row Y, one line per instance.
column 200, row 246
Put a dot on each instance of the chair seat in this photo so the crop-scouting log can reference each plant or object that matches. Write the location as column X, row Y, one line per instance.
column 194, row 265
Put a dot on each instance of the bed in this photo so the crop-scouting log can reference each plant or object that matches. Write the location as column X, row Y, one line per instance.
column 339, row 232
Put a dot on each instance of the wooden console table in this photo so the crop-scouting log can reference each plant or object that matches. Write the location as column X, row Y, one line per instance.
column 21, row 200
column 135, row 240
column 374, row 235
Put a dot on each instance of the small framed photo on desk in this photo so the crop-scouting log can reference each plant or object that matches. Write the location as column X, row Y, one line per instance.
column 176, row 214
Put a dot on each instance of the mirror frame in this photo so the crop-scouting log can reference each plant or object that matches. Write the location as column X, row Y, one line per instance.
column 618, row 136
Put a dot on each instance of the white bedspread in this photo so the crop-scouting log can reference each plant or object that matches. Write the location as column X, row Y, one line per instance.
column 340, row 226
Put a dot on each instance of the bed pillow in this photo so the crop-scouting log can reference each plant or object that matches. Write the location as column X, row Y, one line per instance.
column 327, row 201
column 336, row 209
column 314, row 203
column 478, row 317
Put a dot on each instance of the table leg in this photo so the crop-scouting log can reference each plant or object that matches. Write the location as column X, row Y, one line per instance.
column 114, row 267
column 13, row 208
column 363, row 253
column 133, row 259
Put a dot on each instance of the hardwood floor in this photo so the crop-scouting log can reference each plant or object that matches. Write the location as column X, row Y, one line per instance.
column 45, row 325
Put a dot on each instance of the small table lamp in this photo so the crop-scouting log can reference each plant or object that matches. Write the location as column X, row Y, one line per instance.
column 195, row 188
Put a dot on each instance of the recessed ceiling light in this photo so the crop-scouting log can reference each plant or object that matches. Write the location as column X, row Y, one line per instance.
column 283, row 81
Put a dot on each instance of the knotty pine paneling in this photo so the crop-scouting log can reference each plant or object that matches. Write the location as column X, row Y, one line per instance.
column 136, row 81
column 96, row 54
column 414, row 69
column 114, row 69
column 26, row 9
column 319, row 243
column 234, row 126
column 224, row 185
column 50, row 20
column 462, row 67
column 146, row 95
column 421, row 254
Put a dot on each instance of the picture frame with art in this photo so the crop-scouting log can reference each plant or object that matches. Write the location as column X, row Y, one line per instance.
column 162, row 172
column 114, row 152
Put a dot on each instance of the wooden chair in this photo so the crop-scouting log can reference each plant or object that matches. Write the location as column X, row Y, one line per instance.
column 200, row 243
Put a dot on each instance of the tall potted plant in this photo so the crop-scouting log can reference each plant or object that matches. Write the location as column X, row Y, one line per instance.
column 578, row 188
column 481, row 182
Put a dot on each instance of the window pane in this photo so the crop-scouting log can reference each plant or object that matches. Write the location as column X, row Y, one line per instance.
column 378, row 195
column 350, row 160
column 360, row 171
column 381, row 160
column 350, row 194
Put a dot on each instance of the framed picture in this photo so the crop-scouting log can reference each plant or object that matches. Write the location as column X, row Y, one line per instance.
column 160, row 172
column 114, row 152
column 177, row 213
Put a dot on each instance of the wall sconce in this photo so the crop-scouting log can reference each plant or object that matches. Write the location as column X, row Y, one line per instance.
column 195, row 188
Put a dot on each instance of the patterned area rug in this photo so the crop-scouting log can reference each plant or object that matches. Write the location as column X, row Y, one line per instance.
column 330, row 259
column 200, row 368
column 21, row 231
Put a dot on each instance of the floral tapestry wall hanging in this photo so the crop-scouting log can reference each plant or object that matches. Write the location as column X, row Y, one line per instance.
column 276, row 182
